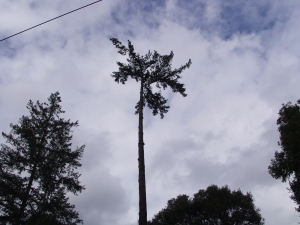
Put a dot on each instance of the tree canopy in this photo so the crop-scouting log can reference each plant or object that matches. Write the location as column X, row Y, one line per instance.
column 213, row 206
column 285, row 165
column 149, row 69
column 37, row 168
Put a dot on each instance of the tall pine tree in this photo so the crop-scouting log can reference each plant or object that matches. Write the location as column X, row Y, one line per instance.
column 37, row 168
column 152, row 68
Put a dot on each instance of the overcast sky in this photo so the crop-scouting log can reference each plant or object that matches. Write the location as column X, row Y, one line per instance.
column 245, row 64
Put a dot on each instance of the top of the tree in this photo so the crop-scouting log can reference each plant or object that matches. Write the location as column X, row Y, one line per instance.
column 152, row 68
column 37, row 166
column 286, row 162
column 285, row 165
column 214, row 205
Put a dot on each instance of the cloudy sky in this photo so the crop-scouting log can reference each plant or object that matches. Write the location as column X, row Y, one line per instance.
column 245, row 64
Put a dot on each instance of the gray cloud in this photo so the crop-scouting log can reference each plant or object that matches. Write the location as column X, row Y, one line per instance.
column 245, row 65
column 104, row 197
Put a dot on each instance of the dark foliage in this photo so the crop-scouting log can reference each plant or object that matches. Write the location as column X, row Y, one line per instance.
column 213, row 206
column 37, row 168
column 152, row 68
column 285, row 165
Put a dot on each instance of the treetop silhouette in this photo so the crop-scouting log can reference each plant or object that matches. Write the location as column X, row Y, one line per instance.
column 151, row 68
column 38, row 167
column 285, row 164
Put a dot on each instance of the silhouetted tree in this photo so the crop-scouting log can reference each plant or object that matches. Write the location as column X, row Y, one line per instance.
column 213, row 206
column 37, row 168
column 152, row 68
column 286, row 164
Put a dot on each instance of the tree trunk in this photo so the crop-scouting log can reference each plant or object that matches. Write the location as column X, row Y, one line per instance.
column 24, row 201
column 32, row 175
column 141, row 159
column 41, row 210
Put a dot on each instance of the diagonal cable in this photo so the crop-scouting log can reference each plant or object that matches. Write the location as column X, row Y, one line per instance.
column 51, row 20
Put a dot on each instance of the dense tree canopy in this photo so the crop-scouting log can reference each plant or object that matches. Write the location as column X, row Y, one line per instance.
column 37, row 168
column 213, row 206
column 285, row 165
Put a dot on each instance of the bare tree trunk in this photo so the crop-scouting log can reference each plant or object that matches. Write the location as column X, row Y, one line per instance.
column 141, row 159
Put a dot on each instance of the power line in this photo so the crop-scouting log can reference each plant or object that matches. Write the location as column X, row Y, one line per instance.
column 51, row 20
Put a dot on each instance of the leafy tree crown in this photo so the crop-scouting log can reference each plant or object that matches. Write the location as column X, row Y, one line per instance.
column 217, row 206
column 285, row 165
column 286, row 162
column 149, row 69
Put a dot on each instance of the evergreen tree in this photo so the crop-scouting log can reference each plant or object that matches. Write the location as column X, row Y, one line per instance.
column 285, row 165
column 37, row 168
column 152, row 68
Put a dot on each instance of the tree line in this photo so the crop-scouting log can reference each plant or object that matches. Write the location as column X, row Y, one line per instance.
column 38, row 164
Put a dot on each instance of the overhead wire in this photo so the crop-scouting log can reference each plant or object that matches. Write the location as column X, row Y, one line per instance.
column 50, row 20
